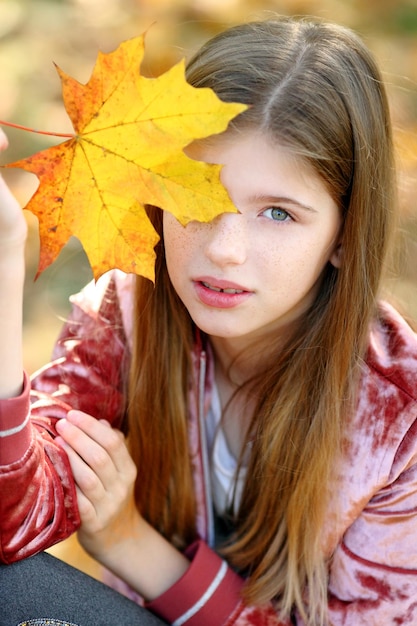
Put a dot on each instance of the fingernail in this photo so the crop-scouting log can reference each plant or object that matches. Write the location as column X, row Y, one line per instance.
column 61, row 423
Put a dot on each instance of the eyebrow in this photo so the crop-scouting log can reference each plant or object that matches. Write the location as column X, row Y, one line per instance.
column 281, row 199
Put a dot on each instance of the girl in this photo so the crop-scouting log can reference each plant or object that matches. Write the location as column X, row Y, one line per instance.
column 267, row 472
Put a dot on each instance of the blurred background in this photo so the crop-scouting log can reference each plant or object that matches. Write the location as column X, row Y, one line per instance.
column 35, row 34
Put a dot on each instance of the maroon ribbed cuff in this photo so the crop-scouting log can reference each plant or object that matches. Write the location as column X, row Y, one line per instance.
column 15, row 429
column 206, row 594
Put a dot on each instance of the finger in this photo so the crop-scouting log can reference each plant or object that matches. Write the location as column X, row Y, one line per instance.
column 110, row 439
column 87, row 481
column 88, row 513
column 89, row 490
column 90, row 452
column 103, row 450
column 4, row 142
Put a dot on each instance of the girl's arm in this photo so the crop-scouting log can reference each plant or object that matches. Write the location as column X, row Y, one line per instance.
column 31, row 514
column 38, row 504
column 13, row 232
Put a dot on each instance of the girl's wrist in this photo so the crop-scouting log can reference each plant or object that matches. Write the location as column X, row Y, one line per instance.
column 12, row 257
column 145, row 560
column 12, row 277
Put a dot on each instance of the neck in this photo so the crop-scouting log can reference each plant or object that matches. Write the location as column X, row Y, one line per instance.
column 240, row 357
column 236, row 360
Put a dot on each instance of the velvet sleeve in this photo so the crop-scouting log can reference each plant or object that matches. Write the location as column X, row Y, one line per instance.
column 38, row 500
column 373, row 573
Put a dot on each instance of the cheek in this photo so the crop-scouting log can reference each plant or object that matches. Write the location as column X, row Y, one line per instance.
column 294, row 267
column 176, row 243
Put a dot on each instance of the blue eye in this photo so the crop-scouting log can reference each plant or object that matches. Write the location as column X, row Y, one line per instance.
column 277, row 214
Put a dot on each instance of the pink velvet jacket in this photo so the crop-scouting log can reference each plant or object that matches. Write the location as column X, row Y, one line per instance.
column 372, row 538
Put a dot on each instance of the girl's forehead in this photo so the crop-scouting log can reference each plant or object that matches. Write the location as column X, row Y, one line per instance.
column 255, row 151
column 207, row 149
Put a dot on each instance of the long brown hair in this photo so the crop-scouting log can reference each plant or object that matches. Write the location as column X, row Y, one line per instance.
column 316, row 88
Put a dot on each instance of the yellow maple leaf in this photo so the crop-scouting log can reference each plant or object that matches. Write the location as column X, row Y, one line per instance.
column 127, row 152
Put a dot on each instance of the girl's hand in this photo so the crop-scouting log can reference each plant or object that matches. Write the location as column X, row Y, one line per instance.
column 13, row 228
column 104, row 474
column 112, row 530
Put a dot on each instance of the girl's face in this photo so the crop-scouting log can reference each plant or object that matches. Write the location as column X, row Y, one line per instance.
column 246, row 274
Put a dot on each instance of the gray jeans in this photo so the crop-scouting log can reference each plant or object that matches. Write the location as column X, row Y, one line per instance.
column 44, row 591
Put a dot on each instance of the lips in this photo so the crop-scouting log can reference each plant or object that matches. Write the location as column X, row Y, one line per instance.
column 220, row 294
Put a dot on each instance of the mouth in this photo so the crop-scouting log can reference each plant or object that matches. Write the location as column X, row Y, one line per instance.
column 218, row 293
column 221, row 289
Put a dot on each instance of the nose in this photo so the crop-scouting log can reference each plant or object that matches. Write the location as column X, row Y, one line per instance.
column 227, row 239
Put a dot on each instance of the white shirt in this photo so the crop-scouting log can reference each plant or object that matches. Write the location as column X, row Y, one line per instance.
column 223, row 465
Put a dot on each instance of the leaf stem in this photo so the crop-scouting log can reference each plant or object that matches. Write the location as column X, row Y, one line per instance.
column 32, row 130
